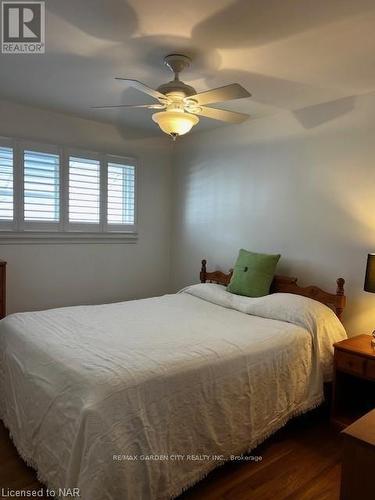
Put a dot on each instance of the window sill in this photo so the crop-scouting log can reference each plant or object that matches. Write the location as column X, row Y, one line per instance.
column 46, row 237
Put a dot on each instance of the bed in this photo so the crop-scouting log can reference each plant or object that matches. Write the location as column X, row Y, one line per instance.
column 141, row 399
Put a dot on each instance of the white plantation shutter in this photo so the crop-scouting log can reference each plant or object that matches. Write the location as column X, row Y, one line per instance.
column 84, row 190
column 121, row 194
column 6, row 184
column 47, row 189
column 41, row 186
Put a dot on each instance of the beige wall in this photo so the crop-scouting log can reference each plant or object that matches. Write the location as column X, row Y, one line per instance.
column 43, row 276
column 302, row 184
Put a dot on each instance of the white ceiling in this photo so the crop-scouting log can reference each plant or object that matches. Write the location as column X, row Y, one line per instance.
column 290, row 54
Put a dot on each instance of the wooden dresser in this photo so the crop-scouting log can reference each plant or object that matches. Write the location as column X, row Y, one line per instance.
column 357, row 477
column 2, row 289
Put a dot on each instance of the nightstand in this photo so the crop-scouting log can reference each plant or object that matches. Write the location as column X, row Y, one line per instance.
column 354, row 380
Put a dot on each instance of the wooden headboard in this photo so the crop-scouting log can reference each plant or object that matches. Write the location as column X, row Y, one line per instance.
column 336, row 301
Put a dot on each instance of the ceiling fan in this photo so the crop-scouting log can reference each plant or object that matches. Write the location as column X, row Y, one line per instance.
column 179, row 103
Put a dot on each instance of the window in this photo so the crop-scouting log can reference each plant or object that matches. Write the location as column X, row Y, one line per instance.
column 84, row 190
column 41, row 187
column 6, row 184
column 50, row 189
column 121, row 191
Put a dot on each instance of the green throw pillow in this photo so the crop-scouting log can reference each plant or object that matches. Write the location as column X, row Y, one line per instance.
column 253, row 274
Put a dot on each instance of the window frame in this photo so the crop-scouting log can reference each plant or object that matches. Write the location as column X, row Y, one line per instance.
column 84, row 227
column 31, row 225
column 64, row 230
column 10, row 225
column 123, row 161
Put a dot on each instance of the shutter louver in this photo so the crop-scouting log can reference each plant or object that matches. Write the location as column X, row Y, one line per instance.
column 84, row 190
column 6, row 184
column 41, row 186
column 121, row 194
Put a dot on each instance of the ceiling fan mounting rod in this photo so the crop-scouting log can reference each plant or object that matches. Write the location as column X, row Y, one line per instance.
column 177, row 63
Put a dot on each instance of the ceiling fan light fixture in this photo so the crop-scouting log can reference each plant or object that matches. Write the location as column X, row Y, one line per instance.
column 179, row 103
column 175, row 123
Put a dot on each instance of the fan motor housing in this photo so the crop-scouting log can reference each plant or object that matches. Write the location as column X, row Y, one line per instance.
column 176, row 86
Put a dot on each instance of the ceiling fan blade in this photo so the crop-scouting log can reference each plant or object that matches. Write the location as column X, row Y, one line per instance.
column 149, row 106
column 226, row 93
column 221, row 114
column 143, row 88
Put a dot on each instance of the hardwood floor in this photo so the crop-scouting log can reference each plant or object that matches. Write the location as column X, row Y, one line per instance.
column 301, row 462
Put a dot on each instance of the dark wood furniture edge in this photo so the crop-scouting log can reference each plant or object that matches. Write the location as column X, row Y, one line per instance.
column 359, row 428
column 342, row 347
column 286, row 284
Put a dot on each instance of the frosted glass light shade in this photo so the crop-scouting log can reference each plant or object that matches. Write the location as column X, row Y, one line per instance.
column 175, row 123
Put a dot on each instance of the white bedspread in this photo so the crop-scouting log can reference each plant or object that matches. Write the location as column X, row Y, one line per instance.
column 92, row 393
